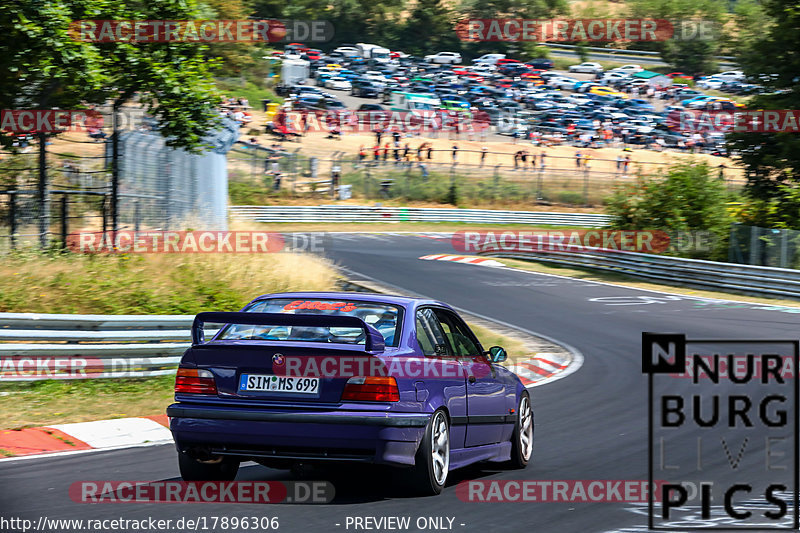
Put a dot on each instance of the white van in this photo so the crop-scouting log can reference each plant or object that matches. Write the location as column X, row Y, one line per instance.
column 373, row 51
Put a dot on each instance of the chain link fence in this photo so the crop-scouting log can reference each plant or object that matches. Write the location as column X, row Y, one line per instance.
column 259, row 173
column 46, row 195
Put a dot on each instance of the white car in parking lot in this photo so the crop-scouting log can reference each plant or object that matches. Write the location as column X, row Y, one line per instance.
column 628, row 69
column 483, row 69
column 589, row 68
column 731, row 75
column 562, row 82
column 444, row 58
column 614, row 75
column 338, row 83
column 712, row 82
column 488, row 59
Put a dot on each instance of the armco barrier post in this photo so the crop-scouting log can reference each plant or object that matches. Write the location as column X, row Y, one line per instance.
column 64, row 221
column 12, row 218
column 44, row 192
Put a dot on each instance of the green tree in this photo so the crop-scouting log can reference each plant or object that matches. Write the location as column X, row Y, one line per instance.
column 690, row 50
column 429, row 27
column 772, row 160
column 507, row 9
column 44, row 67
column 689, row 196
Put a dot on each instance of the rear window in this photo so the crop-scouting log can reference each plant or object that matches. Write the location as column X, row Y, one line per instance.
column 385, row 318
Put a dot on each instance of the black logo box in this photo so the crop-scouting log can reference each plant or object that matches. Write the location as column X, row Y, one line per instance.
column 652, row 367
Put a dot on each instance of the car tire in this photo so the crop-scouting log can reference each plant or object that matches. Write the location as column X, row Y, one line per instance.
column 193, row 470
column 522, row 436
column 432, row 462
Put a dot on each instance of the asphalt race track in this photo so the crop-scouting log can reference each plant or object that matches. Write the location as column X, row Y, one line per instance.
column 591, row 425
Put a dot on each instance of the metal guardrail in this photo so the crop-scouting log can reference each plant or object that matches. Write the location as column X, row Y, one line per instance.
column 332, row 213
column 37, row 346
column 747, row 279
column 613, row 54
column 617, row 51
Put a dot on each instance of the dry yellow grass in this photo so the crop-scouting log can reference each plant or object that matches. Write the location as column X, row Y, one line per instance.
column 59, row 402
column 153, row 283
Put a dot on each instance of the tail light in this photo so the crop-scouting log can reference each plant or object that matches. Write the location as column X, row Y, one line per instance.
column 195, row 381
column 371, row 389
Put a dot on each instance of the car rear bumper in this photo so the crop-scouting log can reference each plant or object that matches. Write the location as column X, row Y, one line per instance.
column 375, row 437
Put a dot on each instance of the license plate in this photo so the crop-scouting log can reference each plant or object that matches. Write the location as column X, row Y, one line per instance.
column 279, row 384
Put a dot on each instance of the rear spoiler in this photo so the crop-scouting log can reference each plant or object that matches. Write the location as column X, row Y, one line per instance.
column 373, row 343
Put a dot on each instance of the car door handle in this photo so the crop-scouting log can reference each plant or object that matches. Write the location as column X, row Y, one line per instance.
column 472, row 379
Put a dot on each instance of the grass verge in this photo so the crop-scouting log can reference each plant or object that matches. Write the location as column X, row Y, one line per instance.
column 152, row 283
column 39, row 403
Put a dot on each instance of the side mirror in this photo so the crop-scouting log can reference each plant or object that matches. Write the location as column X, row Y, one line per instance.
column 497, row 354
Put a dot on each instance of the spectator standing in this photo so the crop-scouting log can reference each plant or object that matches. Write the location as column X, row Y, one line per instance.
column 424, row 168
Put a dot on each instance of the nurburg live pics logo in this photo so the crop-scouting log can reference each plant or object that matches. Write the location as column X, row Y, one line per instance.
column 726, row 441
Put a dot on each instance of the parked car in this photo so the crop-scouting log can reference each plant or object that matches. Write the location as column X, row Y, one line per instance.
column 710, row 82
column 488, row 59
column 541, row 63
column 607, row 91
column 731, row 75
column 628, row 69
column 589, row 68
column 444, row 58
column 338, row 83
column 433, row 400
column 562, row 82
column 364, row 89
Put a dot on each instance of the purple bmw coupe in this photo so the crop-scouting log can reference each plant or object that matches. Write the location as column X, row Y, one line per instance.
column 325, row 376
